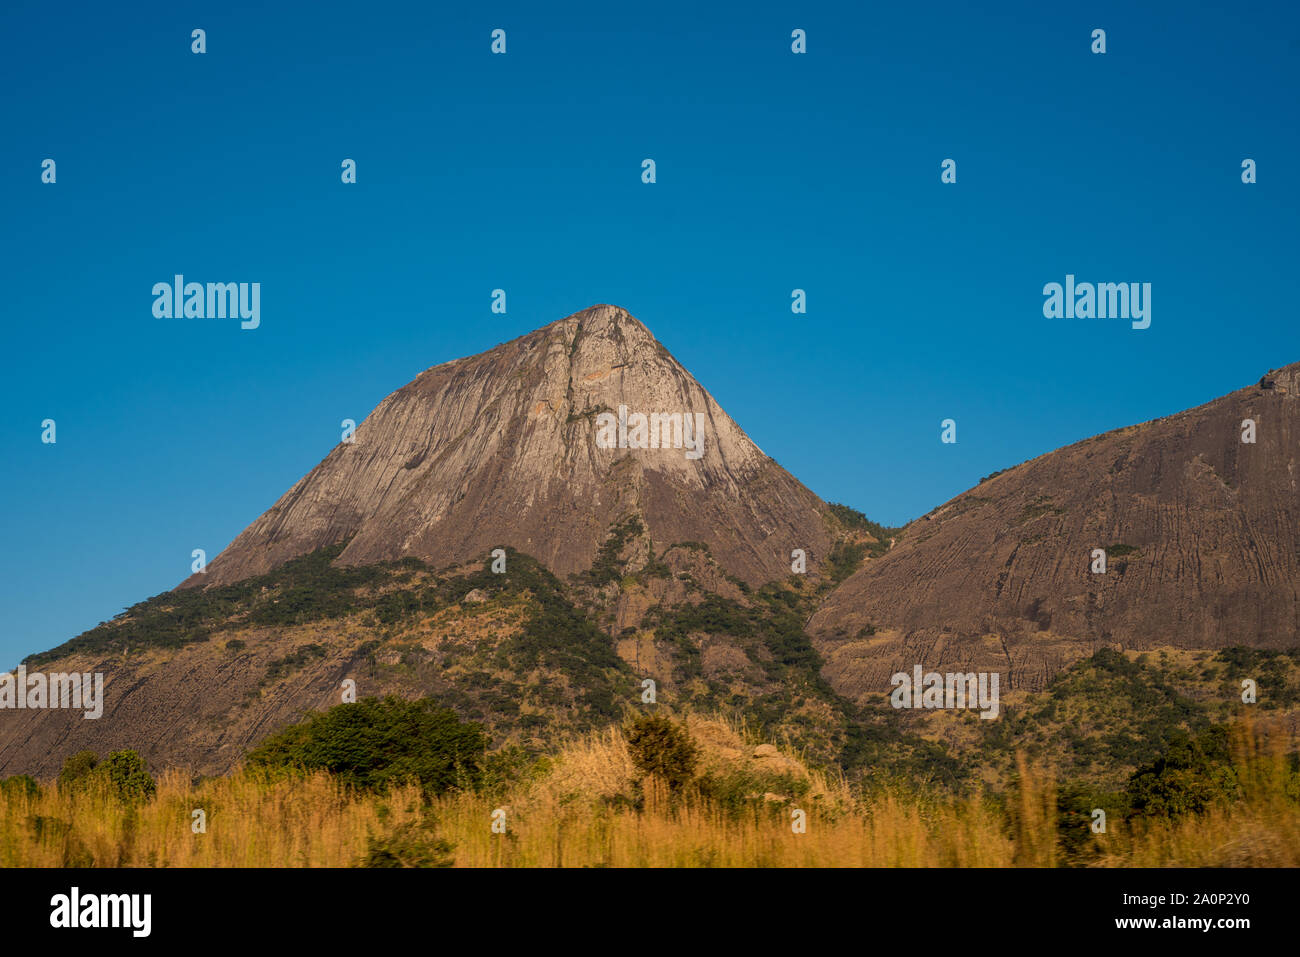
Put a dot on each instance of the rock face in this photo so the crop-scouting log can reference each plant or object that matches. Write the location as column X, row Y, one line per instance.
column 501, row 449
column 1201, row 530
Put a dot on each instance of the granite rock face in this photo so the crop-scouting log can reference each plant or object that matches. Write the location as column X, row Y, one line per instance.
column 500, row 449
column 1201, row 531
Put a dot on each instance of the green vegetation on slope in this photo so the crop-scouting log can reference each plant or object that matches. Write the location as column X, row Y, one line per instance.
column 376, row 742
column 852, row 519
column 1139, row 737
column 305, row 589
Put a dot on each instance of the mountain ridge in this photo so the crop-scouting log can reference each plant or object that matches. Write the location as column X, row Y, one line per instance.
column 628, row 563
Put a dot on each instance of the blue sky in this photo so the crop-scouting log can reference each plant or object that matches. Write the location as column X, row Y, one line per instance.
column 775, row 171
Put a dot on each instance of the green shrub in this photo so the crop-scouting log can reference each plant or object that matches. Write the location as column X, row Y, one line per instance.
column 409, row 846
column 291, row 662
column 77, row 768
column 1195, row 774
column 307, row 588
column 1075, row 803
column 126, row 776
column 376, row 742
column 607, row 567
column 122, row 773
column 845, row 558
column 852, row 518
column 740, row 789
column 19, row 784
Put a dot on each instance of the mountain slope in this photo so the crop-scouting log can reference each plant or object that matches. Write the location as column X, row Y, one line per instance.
column 500, row 449
column 1201, row 530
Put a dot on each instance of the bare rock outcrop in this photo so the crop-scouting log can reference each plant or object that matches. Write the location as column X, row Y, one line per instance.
column 500, row 449
column 1202, row 537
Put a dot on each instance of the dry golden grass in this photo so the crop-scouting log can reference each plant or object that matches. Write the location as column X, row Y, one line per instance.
column 571, row 816
column 252, row 821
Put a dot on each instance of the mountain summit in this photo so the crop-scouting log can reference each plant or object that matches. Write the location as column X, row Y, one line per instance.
column 544, row 444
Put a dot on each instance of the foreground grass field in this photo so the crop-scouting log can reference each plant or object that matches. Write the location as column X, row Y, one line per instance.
column 590, row 807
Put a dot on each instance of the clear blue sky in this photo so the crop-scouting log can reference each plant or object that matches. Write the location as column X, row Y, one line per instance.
column 522, row 171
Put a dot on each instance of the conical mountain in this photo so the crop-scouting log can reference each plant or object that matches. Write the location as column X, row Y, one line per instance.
column 503, row 449
column 1198, row 514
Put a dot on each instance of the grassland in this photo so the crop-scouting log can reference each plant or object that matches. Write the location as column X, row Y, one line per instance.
column 589, row 805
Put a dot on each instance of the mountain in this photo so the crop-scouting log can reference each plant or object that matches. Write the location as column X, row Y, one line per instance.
column 1201, row 532
column 630, row 563
column 375, row 567
column 501, row 449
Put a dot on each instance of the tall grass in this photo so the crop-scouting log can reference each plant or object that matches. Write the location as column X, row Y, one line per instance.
column 571, row 816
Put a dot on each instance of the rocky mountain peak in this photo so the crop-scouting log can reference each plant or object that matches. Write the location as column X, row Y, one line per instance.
column 543, row 443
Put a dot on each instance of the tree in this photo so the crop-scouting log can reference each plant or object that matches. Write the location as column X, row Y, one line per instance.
column 125, row 773
column 376, row 742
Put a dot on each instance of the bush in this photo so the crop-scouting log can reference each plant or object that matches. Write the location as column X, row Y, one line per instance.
column 1194, row 775
column 19, row 785
column 291, row 662
column 125, row 774
column 742, row 789
column 376, row 742
column 853, row 519
column 304, row 589
column 77, row 768
column 606, row 567
column 122, row 773
column 845, row 558
column 660, row 747
column 1075, row 803
column 408, row 846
